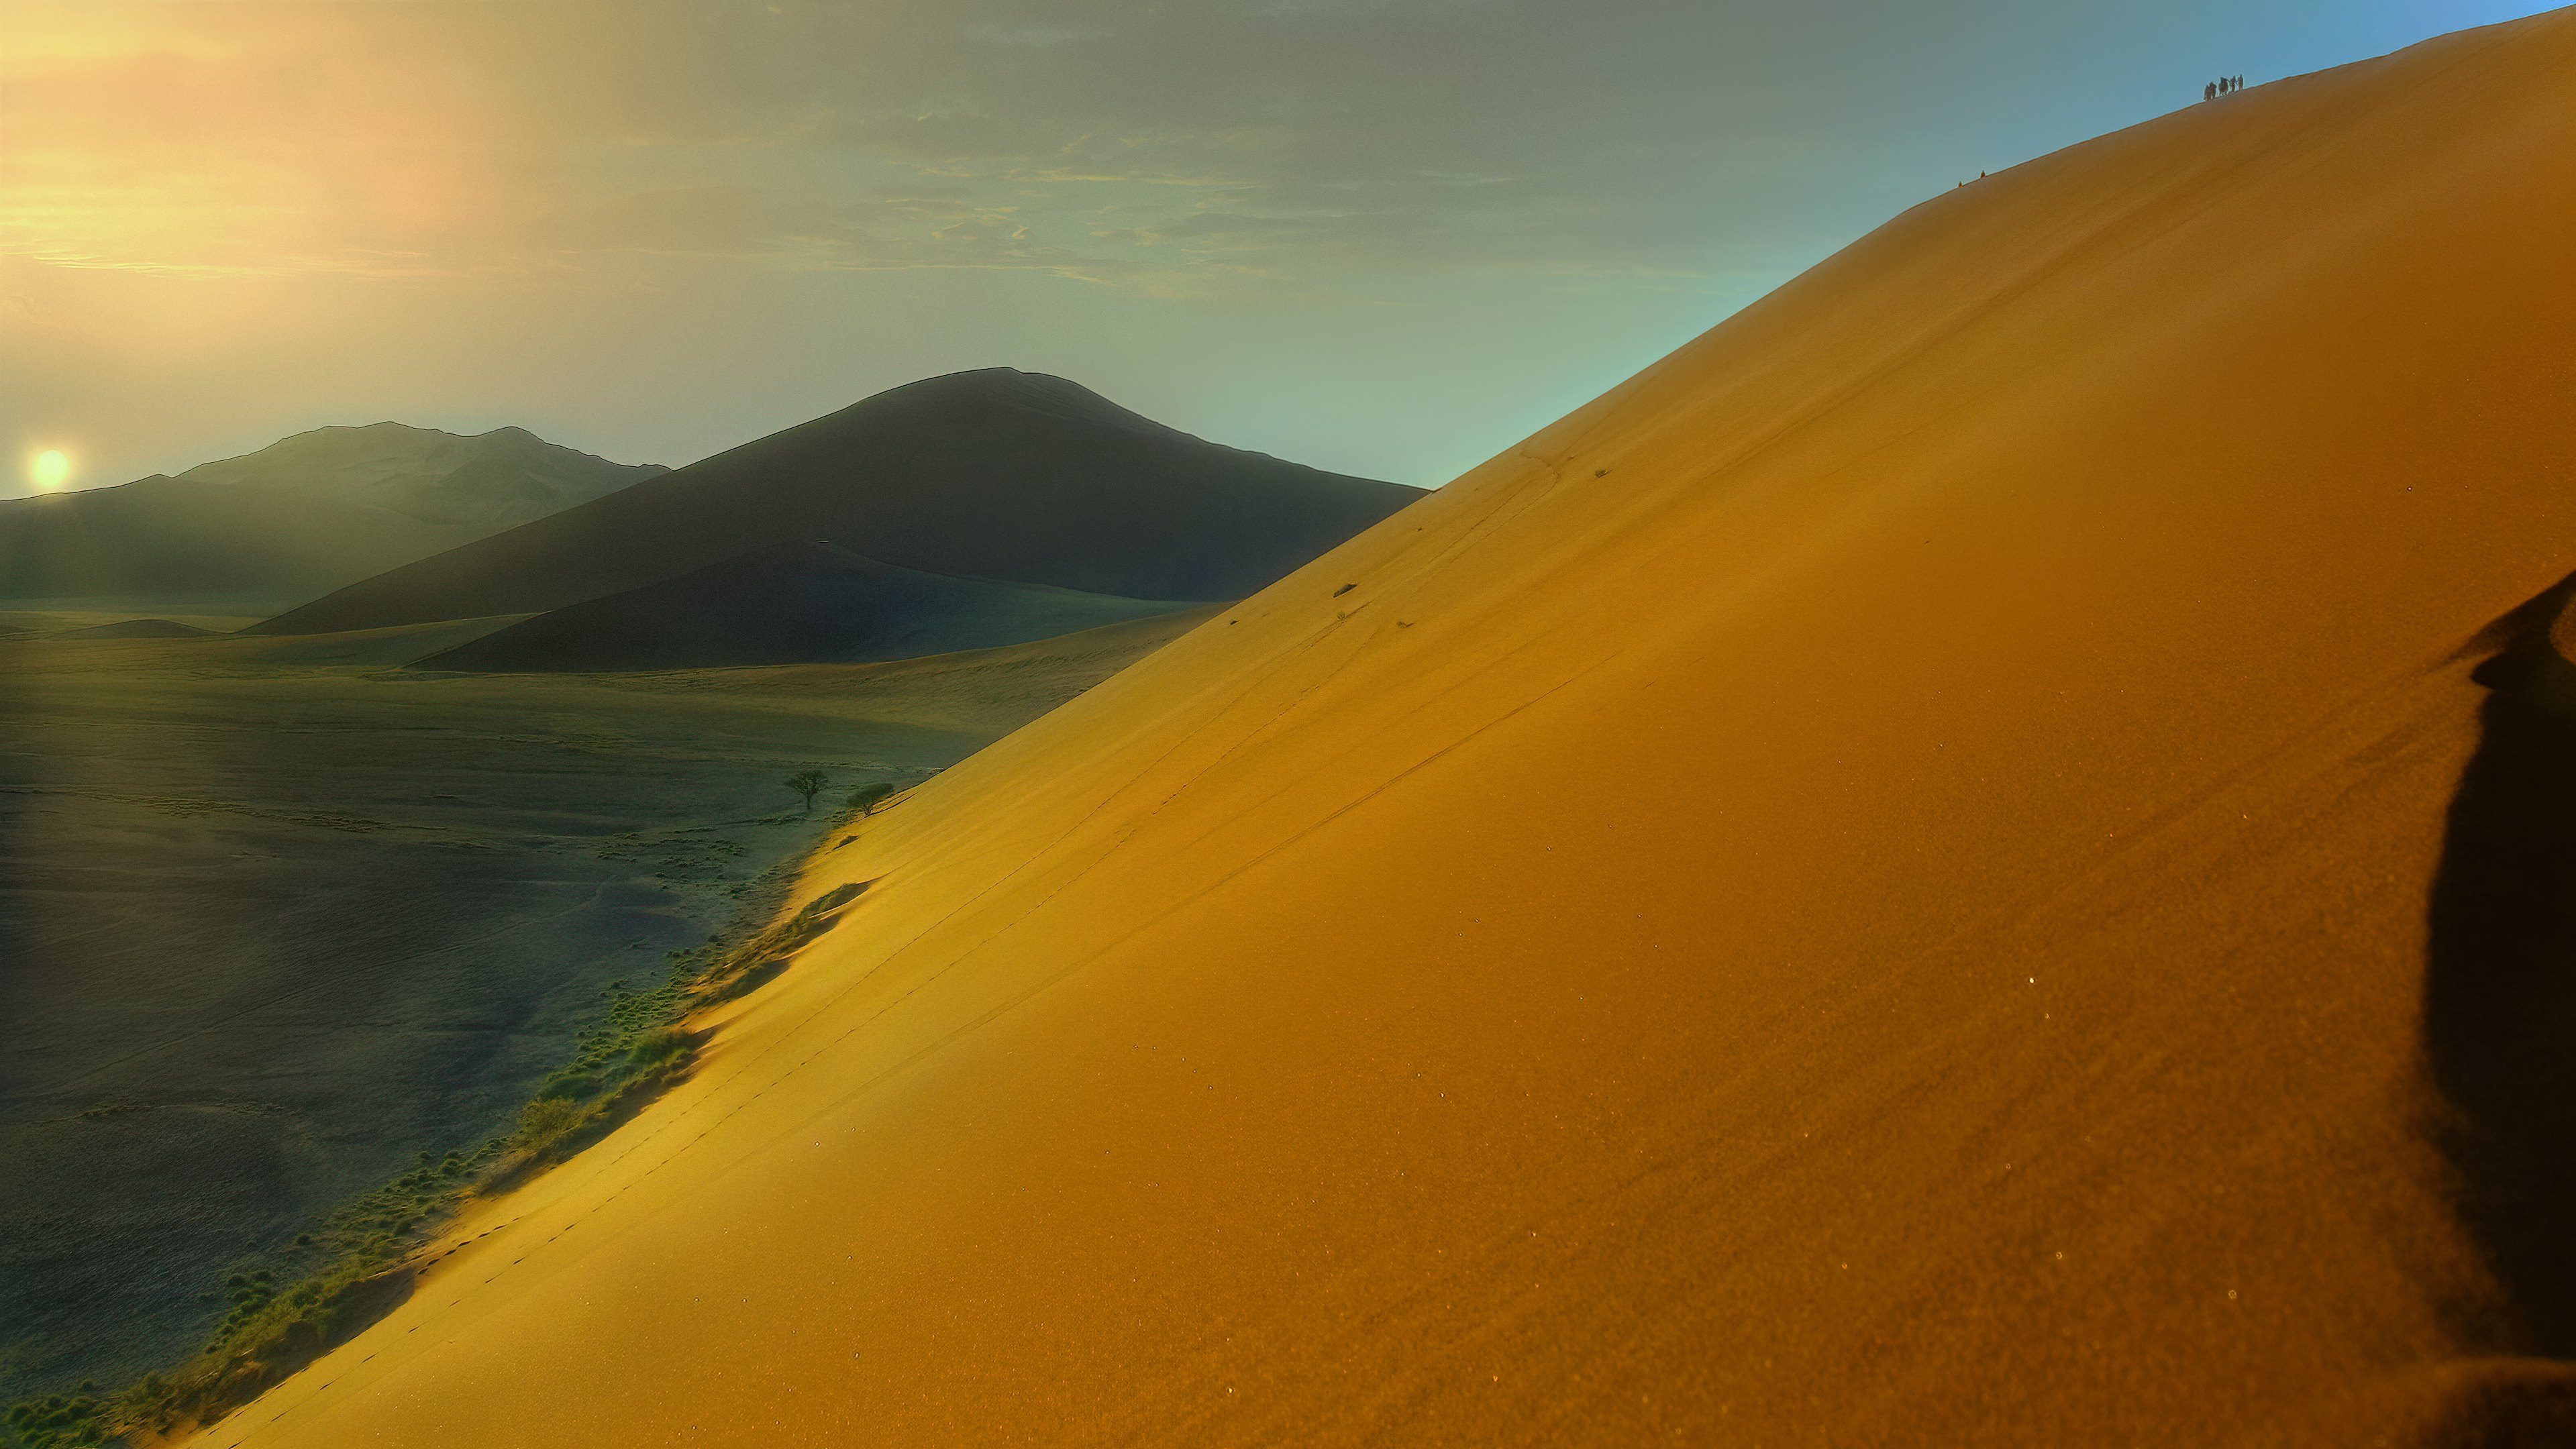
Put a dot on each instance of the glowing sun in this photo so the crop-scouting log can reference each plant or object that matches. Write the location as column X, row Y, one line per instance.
column 50, row 469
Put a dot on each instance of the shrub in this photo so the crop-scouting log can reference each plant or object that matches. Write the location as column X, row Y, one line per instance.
column 569, row 1087
column 63, row 1419
column 547, row 1121
column 659, row 1048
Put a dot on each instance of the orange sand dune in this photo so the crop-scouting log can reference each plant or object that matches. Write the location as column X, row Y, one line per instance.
column 1868, row 887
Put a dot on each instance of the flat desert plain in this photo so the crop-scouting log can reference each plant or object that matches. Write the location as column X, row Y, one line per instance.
column 280, row 914
column 1890, row 881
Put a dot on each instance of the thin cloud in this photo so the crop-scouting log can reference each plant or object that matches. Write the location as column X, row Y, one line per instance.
column 437, row 139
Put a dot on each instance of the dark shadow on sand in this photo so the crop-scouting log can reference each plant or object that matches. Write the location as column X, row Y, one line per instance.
column 2500, row 981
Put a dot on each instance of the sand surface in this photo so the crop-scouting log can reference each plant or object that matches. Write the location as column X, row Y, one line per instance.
column 1870, row 887
column 276, row 915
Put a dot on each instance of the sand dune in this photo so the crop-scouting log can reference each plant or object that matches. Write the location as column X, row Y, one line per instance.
column 1869, row 887
column 995, row 474
column 137, row 629
column 790, row 603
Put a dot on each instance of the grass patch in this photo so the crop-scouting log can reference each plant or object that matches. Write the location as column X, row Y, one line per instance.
column 357, row 1265
column 81, row 1418
column 328, row 1282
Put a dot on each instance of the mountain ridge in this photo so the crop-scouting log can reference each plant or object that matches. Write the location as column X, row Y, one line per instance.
column 307, row 514
column 501, row 478
column 993, row 474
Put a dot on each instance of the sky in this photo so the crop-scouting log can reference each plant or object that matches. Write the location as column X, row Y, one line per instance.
column 1385, row 237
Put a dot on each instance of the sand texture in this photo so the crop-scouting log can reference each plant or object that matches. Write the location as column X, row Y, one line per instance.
column 276, row 915
column 1930, row 870
column 996, row 474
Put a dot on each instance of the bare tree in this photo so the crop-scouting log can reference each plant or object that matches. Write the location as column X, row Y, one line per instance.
column 808, row 783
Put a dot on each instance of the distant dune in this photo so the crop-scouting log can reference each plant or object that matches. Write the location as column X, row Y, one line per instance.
column 136, row 629
column 300, row 517
column 1930, row 870
column 995, row 474
column 789, row 603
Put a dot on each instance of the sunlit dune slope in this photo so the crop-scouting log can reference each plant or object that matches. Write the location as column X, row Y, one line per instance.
column 1868, row 887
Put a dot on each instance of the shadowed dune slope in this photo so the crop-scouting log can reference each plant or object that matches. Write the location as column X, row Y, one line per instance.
column 994, row 474
column 790, row 603
column 165, row 537
column 1869, row 887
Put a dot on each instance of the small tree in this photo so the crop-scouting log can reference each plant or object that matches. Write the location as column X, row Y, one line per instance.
column 867, row 798
column 808, row 783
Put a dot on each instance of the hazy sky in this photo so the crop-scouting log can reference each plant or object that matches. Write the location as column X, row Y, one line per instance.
column 1388, row 237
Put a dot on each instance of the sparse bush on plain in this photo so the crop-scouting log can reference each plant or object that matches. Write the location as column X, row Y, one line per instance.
column 66, row 1420
column 867, row 798
column 277, row 1318
column 326, row 1281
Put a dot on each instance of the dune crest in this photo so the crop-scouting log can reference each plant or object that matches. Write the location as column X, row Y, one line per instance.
column 1869, row 886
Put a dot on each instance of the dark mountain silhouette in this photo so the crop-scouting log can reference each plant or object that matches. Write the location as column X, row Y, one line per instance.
column 487, row 481
column 300, row 517
column 789, row 603
column 997, row 474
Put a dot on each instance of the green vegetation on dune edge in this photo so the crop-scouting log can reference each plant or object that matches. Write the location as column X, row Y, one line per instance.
column 526, row 840
column 357, row 1266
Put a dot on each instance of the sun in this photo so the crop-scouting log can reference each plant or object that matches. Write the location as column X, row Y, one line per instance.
column 50, row 469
